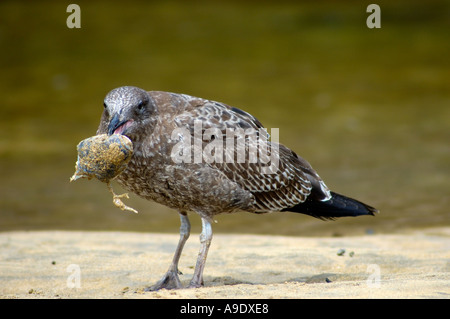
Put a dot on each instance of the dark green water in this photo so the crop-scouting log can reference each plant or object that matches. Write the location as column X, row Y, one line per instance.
column 368, row 108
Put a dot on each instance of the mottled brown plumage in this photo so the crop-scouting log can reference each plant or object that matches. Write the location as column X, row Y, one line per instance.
column 154, row 122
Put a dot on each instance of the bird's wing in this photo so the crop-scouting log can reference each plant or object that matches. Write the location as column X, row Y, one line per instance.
column 276, row 176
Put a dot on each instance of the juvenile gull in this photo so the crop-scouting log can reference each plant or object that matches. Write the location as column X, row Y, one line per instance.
column 154, row 121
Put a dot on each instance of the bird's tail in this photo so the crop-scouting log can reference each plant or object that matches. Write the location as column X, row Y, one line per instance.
column 337, row 206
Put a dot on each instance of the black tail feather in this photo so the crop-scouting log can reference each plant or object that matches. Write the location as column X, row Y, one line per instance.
column 337, row 206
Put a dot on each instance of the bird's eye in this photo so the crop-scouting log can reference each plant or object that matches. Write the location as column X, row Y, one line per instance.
column 140, row 105
column 104, row 105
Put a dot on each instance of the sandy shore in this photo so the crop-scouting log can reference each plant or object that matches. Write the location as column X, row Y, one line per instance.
column 60, row 264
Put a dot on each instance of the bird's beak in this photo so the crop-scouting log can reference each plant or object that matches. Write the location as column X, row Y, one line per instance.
column 115, row 123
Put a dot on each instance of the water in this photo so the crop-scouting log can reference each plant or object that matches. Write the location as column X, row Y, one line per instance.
column 369, row 109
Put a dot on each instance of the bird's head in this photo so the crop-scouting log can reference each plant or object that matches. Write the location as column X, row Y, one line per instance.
column 128, row 110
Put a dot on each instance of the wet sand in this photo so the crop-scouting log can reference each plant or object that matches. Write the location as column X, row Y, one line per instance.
column 66, row 264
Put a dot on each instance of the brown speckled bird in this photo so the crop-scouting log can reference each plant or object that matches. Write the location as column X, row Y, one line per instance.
column 154, row 122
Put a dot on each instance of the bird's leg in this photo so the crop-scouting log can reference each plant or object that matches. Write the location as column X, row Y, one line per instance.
column 170, row 280
column 205, row 241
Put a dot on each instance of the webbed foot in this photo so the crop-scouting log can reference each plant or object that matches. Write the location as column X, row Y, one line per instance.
column 170, row 280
